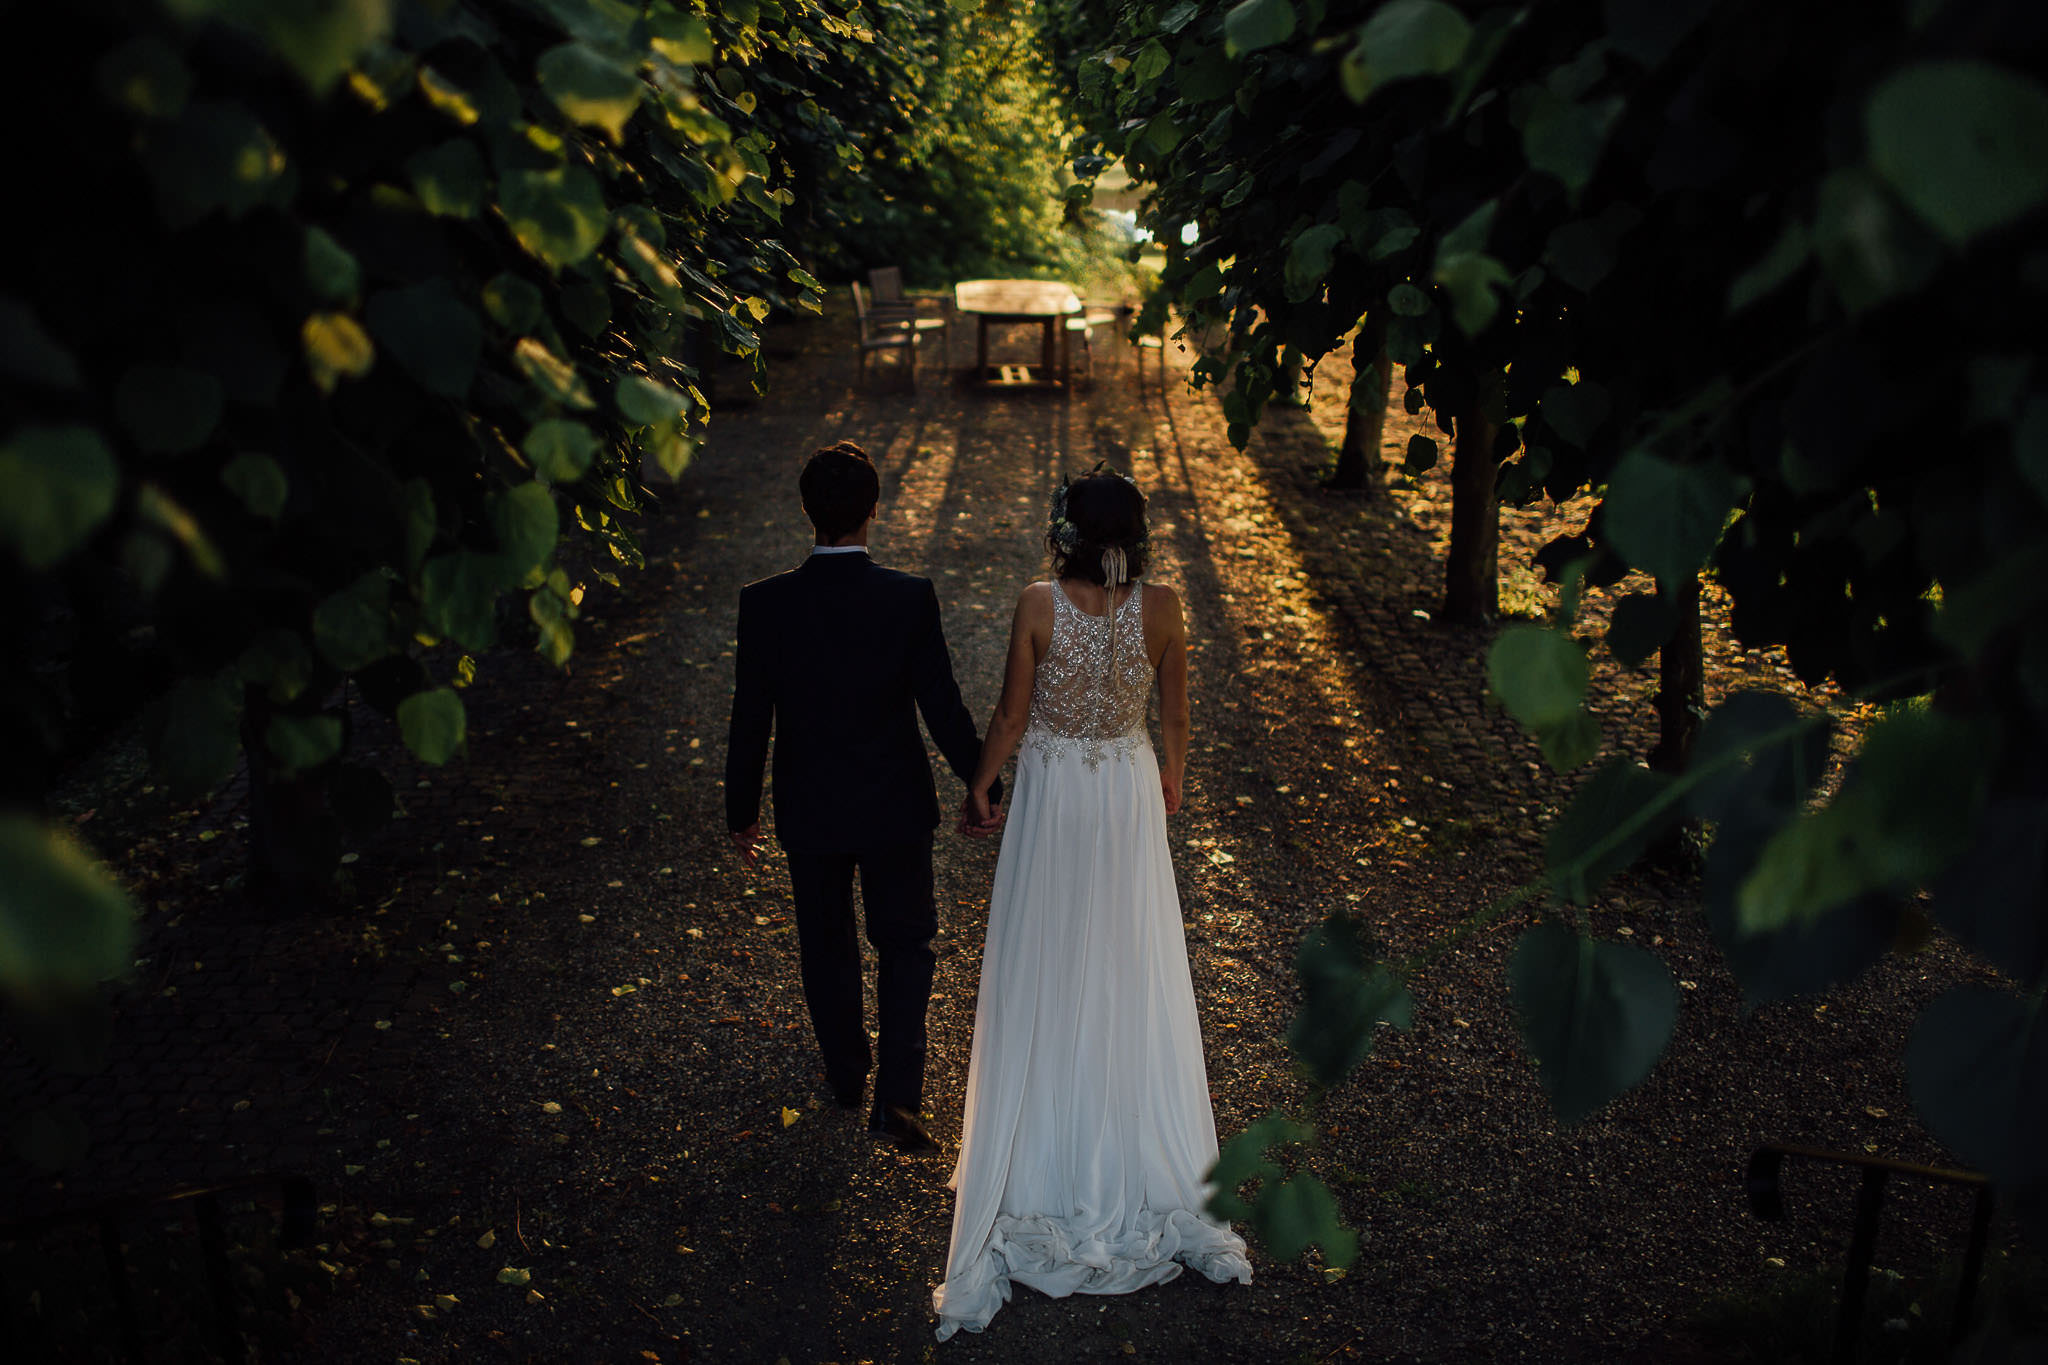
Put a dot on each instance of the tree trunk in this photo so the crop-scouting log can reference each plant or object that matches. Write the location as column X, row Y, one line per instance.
column 1365, row 421
column 1287, row 384
column 1472, row 572
column 1681, row 686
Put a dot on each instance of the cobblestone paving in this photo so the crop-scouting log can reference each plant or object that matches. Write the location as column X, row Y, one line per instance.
column 563, row 1036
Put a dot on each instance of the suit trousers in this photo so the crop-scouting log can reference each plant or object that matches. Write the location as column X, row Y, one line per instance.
column 902, row 918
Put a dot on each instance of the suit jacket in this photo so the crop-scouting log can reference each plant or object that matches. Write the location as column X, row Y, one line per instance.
column 838, row 657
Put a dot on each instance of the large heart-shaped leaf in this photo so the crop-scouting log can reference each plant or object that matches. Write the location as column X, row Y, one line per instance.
column 527, row 527
column 1255, row 24
column 352, row 627
column 433, row 724
column 558, row 215
column 1964, row 142
column 1666, row 518
column 430, row 332
column 459, row 597
column 65, row 924
column 1538, row 673
column 1345, row 996
column 1977, row 1064
column 1611, row 820
column 590, row 87
column 58, row 485
column 167, row 409
column 1595, row 1015
column 1405, row 38
column 198, row 734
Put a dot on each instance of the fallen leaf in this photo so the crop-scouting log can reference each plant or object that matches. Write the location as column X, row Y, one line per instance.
column 533, row 1296
column 551, row 1107
column 789, row 1116
column 488, row 1240
column 511, row 1275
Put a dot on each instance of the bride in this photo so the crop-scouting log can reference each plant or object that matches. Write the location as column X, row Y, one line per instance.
column 1088, row 1128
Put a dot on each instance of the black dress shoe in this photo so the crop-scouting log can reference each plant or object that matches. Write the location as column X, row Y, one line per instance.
column 901, row 1127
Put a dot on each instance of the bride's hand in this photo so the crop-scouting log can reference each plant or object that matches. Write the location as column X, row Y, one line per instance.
column 1169, row 787
column 976, row 818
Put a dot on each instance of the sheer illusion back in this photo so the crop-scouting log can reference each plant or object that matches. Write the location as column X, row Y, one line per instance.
column 1088, row 1132
column 1090, row 693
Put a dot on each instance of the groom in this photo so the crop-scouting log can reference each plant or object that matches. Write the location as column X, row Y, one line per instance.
column 839, row 656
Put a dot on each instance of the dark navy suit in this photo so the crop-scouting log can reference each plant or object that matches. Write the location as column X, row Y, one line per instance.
column 838, row 658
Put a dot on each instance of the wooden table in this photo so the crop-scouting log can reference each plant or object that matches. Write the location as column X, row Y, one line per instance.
column 1045, row 302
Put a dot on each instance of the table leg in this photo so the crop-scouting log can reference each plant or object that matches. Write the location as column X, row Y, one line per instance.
column 1045, row 354
column 981, row 348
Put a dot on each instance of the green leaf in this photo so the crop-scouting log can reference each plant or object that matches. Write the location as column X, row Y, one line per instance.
column 672, row 450
column 1666, row 518
column 145, row 76
column 331, row 271
column 65, row 924
column 1308, row 259
column 199, row 735
column 1345, row 996
column 433, row 725
column 1977, row 1066
column 258, row 482
column 558, row 215
column 28, row 351
column 1565, row 139
column 336, row 348
column 553, row 376
column 684, row 39
column 589, row 87
column 551, row 614
column 1422, row 454
column 648, row 402
column 1407, row 301
column 1980, row 898
column 1151, row 62
column 58, row 485
column 431, row 333
column 1906, row 809
column 1802, row 957
column 1792, row 250
column 1595, row 1015
column 1756, row 752
column 1582, row 253
column 1538, row 673
column 168, row 410
column 1650, row 30
column 277, row 661
column 1964, row 142
column 1301, row 1212
column 1256, row 24
column 1244, row 1158
column 459, row 597
column 449, row 179
column 1472, row 279
column 214, row 157
column 318, row 39
column 352, row 627
column 1608, row 824
column 1572, row 742
column 1870, row 251
column 1387, row 232
column 513, row 303
column 1402, row 39
column 302, row 742
column 560, row 449
column 527, row 527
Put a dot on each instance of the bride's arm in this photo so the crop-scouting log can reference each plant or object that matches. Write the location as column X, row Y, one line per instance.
column 1173, row 694
column 1030, row 632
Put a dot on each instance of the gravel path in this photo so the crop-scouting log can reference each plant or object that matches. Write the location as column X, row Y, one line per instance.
column 565, row 1037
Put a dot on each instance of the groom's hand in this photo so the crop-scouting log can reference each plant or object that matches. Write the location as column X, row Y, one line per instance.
column 746, row 843
column 977, row 818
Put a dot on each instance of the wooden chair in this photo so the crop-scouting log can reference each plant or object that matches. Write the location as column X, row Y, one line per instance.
column 879, row 333
column 892, row 302
column 1082, row 327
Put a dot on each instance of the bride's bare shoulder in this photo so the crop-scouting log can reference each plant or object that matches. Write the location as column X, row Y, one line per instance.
column 1161, row 600
column 1035, row 602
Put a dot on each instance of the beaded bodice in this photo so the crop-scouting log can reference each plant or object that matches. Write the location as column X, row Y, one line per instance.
column 1083, row 700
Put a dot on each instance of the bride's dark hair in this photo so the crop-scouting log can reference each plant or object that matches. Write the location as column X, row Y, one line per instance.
column 1099, row 511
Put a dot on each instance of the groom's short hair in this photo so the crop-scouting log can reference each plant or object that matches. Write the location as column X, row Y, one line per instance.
column 839, row 488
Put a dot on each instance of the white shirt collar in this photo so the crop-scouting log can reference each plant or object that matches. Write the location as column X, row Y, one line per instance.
column 839, row 549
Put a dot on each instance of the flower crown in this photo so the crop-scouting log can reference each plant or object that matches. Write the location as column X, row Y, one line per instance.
column 1061, row 531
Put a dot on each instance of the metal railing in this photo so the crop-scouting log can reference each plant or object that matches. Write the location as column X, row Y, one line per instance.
column 297, row 1212
column 1767, row 1202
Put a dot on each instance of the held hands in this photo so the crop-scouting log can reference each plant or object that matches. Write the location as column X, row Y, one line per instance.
column 1169, row 787
column 978, row 819
column 746, row 842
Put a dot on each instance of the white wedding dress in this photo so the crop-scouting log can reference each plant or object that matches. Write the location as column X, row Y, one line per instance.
column 1088, row 1128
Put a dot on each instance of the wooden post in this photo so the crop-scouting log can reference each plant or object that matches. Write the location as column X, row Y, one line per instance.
column 1681, row 685
column 1472, row 571
column 1365, row 421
